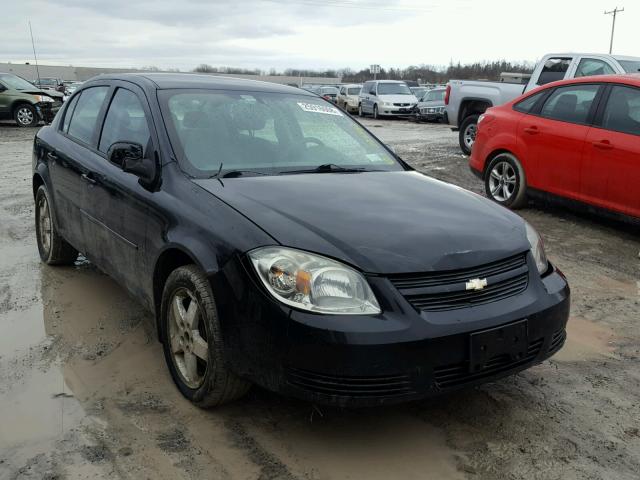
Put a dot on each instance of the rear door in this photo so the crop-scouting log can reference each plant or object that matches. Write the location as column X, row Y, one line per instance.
column 611, row 175
column 115, row 202
column 553, row 138
column 68, row 162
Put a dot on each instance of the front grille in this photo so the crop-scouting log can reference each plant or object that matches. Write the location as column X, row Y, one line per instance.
column 458, row 374
column 446, row 290
column 401, row 104
column 371, row 386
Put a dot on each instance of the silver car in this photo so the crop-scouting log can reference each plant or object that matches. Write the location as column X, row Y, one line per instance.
column 348, row 97
column 386, row 98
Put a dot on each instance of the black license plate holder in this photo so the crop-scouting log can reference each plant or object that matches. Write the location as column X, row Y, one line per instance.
column 511, row 339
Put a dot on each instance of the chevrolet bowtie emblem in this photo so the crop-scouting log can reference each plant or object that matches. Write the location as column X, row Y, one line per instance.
column 476, row 284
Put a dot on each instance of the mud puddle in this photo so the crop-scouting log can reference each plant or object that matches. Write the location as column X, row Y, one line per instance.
column 586, row 340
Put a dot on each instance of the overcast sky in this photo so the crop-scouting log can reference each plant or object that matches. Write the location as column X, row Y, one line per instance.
column 307, row 33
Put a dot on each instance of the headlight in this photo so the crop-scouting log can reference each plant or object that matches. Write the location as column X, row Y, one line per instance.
column 387, row 104
column 312, row 282
column 537, row 249
column 43, row 99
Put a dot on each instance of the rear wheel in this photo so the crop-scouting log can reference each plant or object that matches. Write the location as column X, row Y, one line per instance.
column 26, row 115
column 193, row 345
column 467, row 133
column 53, row 249
column 505, row 181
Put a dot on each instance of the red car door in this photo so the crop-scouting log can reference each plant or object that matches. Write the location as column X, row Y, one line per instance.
column 611, row 173
column 554, row 138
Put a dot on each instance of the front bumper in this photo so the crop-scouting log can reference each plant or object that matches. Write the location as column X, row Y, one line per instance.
column 395, row 110
column 48, row 110
column 400, row 355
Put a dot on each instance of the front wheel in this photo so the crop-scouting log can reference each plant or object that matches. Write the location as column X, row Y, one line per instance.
column 375, row 112
column 26, row 116
column 467, row 133
column 360, row 111
column 505, row 181
column 192, row 340
column 53, row 249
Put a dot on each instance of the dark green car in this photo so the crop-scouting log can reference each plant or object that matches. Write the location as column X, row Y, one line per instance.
column 25, row 103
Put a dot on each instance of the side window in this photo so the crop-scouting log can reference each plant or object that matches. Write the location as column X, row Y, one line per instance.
column 528, row 103
column 570, row 104
column 68, row 113
column 343, row 91
column 125, row 121
column 622, row 112
column 85, row 116
column 592, row 66
column 554, row 69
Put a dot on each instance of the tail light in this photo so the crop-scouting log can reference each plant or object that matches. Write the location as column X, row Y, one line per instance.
column 447, row 93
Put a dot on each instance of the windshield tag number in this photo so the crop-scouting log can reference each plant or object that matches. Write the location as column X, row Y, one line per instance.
column 315, row 108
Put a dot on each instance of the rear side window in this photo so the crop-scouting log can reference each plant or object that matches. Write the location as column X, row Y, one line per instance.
column 570, row 104
column 528, row 103
column 125, row 121
column 69, row 113
column 622, row 112
column 85, row 116
column 554, row 69
column 592, row 66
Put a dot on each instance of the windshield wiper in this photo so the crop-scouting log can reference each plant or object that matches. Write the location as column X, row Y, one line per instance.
column 240, row 173
column 329, row 168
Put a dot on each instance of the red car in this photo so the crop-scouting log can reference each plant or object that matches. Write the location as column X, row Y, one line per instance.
column 578, row 139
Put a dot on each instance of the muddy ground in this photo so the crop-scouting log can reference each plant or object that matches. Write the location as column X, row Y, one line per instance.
column 84, row 392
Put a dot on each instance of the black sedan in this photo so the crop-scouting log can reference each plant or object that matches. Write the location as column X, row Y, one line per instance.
column 279, row 243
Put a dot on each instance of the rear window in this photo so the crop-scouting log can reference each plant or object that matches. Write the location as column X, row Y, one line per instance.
column 528, row 103
column 622, row 112
column 85, row 116
column 265, row 132
column 570, row 104
column 554, row 69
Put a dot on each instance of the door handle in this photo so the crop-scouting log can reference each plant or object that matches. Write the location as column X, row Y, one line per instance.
column 52, row 156
column 532, row 130
column 603, row 145
column 88, row 178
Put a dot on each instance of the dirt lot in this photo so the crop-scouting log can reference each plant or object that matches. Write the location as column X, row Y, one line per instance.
column 84, row 392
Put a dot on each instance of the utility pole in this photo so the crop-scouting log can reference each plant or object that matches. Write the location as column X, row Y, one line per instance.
column 613, row 12
column 34, row 52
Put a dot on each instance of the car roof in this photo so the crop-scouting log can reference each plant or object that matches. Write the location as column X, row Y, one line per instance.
column 626, row 78
column 162, row 81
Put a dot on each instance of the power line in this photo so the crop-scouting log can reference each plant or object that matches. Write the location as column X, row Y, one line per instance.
column 613, row 12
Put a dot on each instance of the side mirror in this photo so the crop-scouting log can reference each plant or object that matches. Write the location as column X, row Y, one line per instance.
column 130, row 157
column 2, row 88
column 372, row 92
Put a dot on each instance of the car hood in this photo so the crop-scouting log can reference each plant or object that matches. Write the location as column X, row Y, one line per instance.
column 380, row 222
column 398, row 98
column 41, row 91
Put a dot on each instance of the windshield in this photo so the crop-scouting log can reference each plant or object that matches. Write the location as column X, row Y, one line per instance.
column 353, row 91
column 630, row 66
column 266, row 133
column 393, row 89
column 434, row 95
column 48, row 81
column 13, row 81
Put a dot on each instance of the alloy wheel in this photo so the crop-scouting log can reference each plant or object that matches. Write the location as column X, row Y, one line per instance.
column 44, row 223
column 470, row 135
column 188, row 338
column 25, row 116
column 502, row 181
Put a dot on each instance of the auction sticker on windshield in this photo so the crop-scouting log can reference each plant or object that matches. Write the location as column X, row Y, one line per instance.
column 315, row 108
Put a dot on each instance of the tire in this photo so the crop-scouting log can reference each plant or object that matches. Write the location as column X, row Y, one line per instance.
column 360, row 111
column 375, row 112
column 505, row 181
column 26, row 115
column 206, row 383
column 53, row 249
column 467, row 134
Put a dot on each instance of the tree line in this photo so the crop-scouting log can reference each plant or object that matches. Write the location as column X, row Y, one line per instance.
column 424, row 73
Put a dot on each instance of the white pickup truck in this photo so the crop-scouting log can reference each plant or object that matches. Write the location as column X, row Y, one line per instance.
column 466, row 100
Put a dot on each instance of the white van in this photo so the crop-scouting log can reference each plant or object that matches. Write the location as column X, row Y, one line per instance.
column 386, row 97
